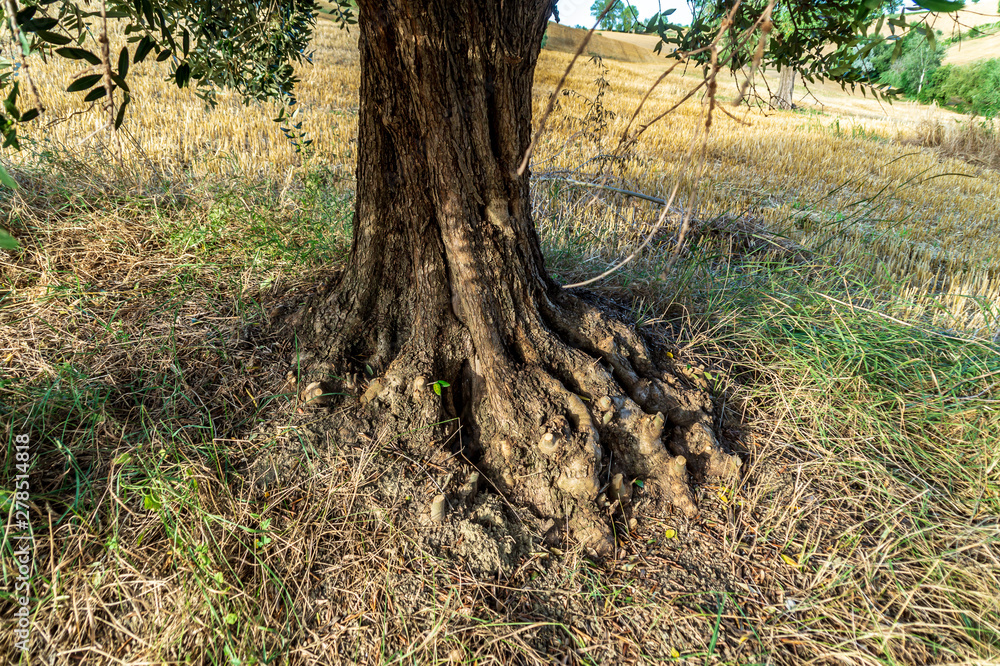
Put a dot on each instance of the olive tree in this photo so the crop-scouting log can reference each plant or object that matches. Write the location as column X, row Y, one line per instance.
column 445, row 296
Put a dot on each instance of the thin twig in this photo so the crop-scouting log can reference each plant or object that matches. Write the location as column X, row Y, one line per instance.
column 637, row 195
column 656, row 227
column 685, row 56
column 642, row 102
column 632, row 139
column 555, row 94
column 106, row 62
column 685, row 223
column 108, row 85
column 712, row 82
column 16, row 32
column 59, row 121
column 730, row 114
column 766, row 25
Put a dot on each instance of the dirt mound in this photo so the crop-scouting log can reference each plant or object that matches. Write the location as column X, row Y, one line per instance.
column 562, row 38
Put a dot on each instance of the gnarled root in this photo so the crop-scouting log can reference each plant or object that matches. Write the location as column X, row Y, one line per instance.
column 565, row 425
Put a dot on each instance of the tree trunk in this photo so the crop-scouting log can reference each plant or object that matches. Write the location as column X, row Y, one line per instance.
column 446, row 287
column 784, row 95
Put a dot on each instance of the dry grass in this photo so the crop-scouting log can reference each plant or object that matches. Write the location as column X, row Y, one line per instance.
column 183, row 513
column 170, row 132
column 853, row 185
column 975, row 141
column 973, row 50
column 567, row 40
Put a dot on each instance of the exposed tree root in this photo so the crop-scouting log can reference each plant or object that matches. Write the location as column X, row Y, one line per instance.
column 577, row 411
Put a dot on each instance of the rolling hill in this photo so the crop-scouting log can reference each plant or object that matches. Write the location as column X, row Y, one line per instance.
column 629, row 47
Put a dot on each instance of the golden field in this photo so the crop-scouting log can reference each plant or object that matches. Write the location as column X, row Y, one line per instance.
column 930, row 220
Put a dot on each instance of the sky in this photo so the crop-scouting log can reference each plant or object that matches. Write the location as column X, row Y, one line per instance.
column 577, row 12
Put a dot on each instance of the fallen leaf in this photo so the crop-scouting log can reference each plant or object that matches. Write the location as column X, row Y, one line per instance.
column 789, row 561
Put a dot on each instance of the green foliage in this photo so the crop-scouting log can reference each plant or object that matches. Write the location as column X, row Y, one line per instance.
column 943, row 6
column 971, row 88
column 8, row 242
column 907, row 64
column 622, row 17
column 818, row 40
column 6, row 179
column 249, row 47
column 912, row 65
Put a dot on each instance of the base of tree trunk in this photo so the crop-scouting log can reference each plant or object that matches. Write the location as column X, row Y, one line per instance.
column 445, row 307
column 583, row 413
column 784, row 95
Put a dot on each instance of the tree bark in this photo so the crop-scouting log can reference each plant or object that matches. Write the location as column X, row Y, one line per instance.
column 446, row 281
column 784, row 95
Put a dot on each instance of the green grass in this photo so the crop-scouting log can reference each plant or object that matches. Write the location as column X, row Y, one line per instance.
column 143, row 379
column 143, row 367
column 900, row 425
column 889, row 420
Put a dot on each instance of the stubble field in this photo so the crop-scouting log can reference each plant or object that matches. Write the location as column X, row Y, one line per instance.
column 837, row 293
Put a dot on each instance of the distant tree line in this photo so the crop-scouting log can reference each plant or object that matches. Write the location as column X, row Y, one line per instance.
column 622, row 17
column 919, row 74
column 912, row 64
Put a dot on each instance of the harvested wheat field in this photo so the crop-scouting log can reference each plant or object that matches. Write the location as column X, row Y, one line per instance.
column 836, row 297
